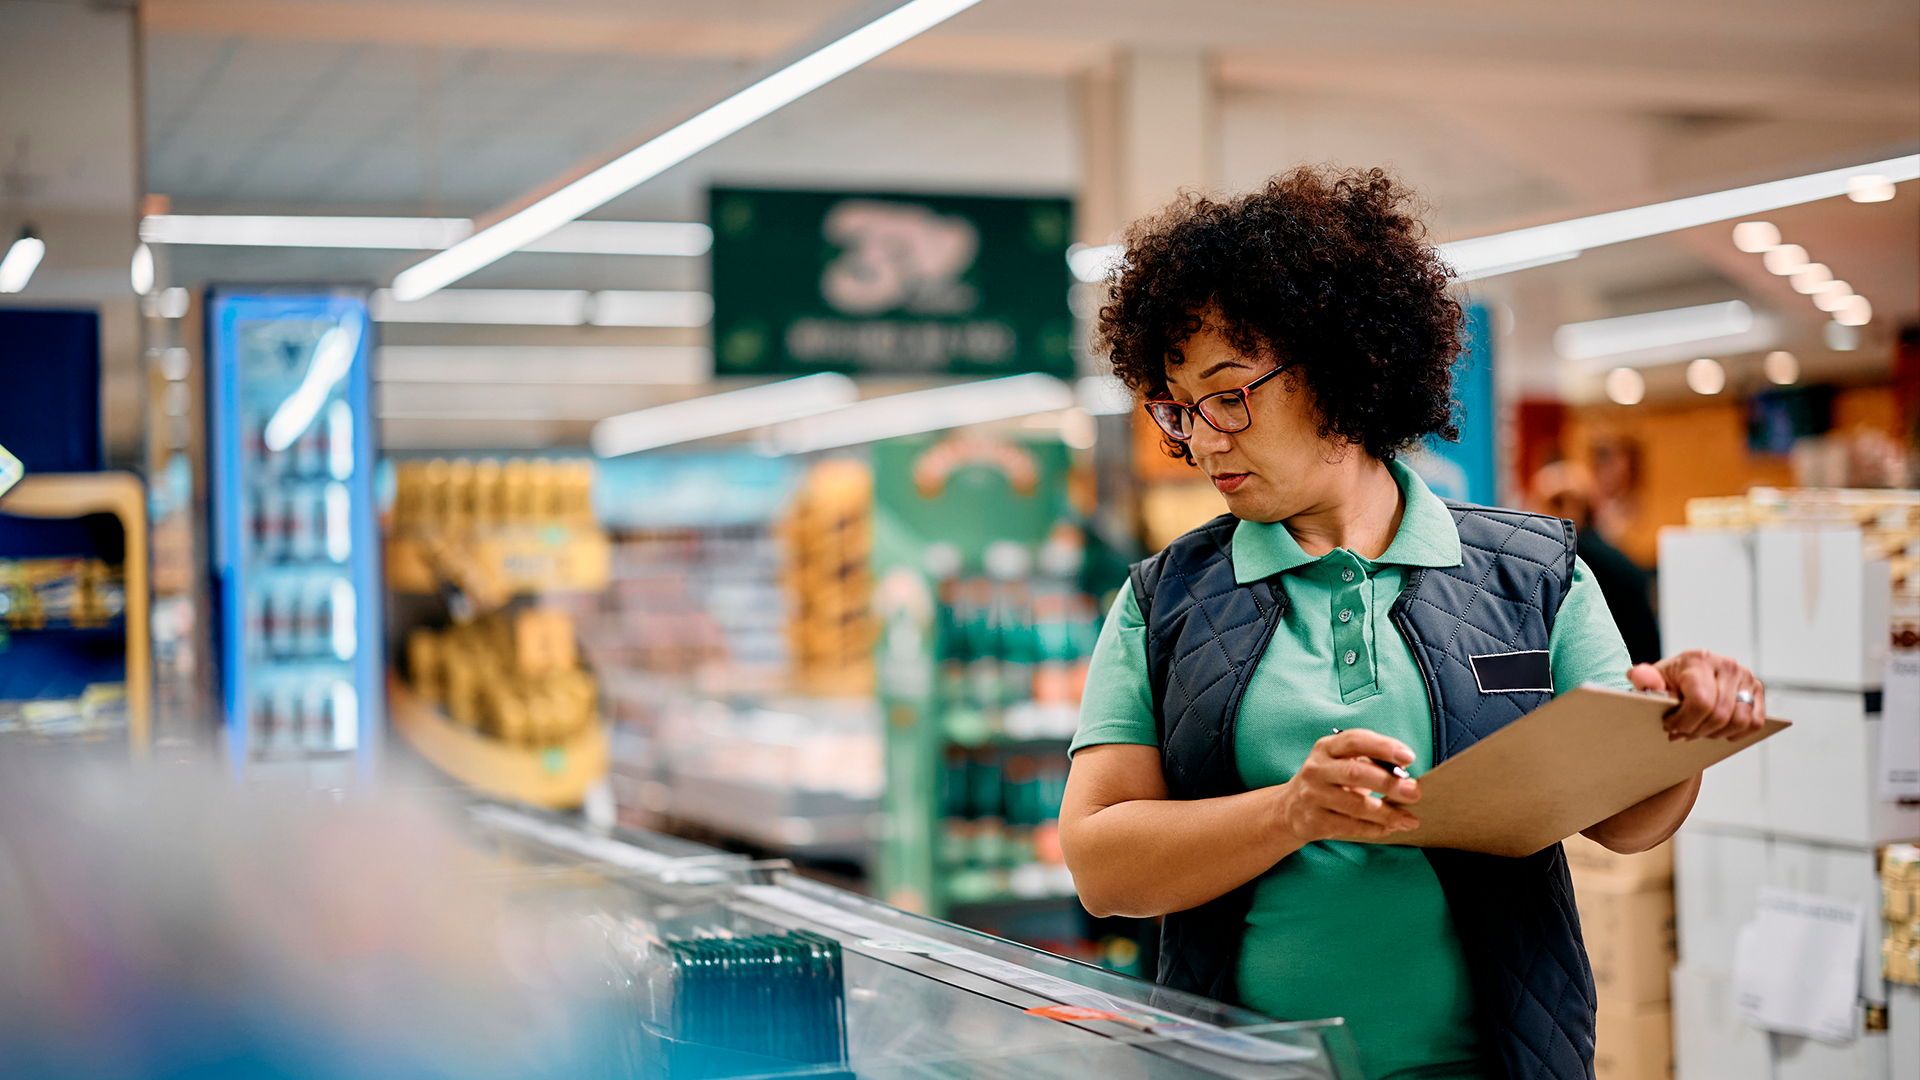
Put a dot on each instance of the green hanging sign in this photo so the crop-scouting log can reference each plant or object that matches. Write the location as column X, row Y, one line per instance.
column 908, row 285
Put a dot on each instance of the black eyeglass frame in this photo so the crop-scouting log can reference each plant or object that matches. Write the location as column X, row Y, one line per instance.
column 1200, row 408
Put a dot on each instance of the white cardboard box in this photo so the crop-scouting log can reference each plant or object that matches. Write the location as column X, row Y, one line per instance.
column 1799, row 1058
column 1716, row 877
column 1733, row 792
column 1821, row 776
column 1706, row 592
column 1903, row 1030
column 1821, row 609
column 1849, row 874
column 1709, row 1040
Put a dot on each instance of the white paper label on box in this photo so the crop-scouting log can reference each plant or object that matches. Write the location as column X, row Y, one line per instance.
column 1796, row 968
column 1900, row 727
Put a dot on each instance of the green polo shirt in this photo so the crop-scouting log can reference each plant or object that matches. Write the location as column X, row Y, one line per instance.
column 1343, row 929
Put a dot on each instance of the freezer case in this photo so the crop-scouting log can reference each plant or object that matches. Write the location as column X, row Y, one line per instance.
column 915, row 997
column 295, row 539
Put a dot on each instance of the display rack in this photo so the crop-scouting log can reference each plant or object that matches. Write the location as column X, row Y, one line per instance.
column 492, row 691
column 72, row 495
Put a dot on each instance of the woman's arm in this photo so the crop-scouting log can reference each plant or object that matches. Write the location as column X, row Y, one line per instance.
column 1135, row 852
column 1708, row 687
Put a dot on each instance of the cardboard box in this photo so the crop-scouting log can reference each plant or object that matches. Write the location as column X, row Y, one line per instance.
column 1633, row 1044
column 1821, row 775
column 1589, row 860
column 1821, row 610
column 1733, row 793
column 1903, row 1031
column 1716, row 878
column 1709, row 1040
column 1630, row 942
column 1867, row 1057
column 1706, row 592
column 1842, row 873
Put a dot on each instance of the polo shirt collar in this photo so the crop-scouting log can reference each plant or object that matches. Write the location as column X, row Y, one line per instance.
column 1427, row 536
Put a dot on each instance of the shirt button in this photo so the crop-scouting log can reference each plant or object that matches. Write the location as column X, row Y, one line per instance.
column 1346, row 614
column 1346, row 575
column 1352, row 656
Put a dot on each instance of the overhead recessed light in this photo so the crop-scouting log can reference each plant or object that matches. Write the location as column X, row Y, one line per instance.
column 1869, row 187
column 17, row 267
column 419, row 234
column 1784, row 259
column 1755, row 237
column 1706, row 376
column 1857, row 312
column 1781, row 368
column 140, row 270
column 1625, row 386
column 1835, row 296
column 1810, row 278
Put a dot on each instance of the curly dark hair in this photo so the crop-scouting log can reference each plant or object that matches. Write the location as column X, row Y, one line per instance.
column 1329, row 269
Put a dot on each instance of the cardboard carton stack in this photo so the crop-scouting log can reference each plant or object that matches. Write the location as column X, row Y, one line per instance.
column 1810, row 589
column 1627, row 918
column 1900, row 908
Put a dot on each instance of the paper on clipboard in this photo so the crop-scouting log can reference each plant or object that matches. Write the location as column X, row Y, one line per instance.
column 1575, row 761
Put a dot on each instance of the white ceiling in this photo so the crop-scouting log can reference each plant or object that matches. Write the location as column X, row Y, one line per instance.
column 1502, row 112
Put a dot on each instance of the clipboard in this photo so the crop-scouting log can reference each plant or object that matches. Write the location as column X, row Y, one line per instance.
column 1575, row 761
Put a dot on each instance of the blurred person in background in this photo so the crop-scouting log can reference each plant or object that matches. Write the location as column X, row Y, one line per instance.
column 1292, row 343
column 1564, row 489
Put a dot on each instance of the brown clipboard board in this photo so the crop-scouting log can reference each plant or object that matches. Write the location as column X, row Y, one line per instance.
column 1572, row 763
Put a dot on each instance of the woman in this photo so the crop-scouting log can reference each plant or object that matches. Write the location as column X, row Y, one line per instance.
column 1291, row 343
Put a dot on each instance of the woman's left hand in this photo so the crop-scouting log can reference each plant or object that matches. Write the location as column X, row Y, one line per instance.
column 1719, row 699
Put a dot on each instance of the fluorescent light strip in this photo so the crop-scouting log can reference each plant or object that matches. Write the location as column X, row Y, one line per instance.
column 920, row 411
column 721, row 414
column 662, row 152
column 17, row 268
column 547, row 365
column 1485, row 256
column 548, row 307
column 1523, row 249
column 1659, row 337
column 428, row 234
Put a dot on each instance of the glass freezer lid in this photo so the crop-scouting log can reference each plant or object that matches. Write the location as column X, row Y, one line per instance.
column 923, row 998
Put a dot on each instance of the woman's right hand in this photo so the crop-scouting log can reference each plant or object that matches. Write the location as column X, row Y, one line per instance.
column 1329, row 798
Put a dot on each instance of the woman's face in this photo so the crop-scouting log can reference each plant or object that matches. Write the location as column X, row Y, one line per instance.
column 1279, row 466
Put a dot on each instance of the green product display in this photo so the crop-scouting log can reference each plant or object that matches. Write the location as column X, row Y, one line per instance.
column 807, row 281
column 983, row 643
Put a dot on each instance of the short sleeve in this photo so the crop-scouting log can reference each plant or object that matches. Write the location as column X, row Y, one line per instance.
column 1585, row 646
column 1117, row 705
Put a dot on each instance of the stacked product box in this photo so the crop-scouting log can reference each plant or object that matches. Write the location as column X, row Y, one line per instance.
column 1813, row 590
column 1627, row 918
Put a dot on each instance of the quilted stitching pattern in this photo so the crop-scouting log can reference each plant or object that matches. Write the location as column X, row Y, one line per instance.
column 1206, row 633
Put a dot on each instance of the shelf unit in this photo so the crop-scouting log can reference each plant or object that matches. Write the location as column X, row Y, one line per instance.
column 72, row 495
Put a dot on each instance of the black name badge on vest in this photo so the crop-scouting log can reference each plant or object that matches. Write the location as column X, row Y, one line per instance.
column 1527, row 672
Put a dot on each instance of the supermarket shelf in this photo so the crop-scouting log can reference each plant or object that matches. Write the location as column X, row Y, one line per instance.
column 555, row 776
column 69, row 495
column 805, row 823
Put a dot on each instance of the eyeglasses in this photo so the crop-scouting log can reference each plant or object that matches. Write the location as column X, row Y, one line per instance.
column 1226, row 411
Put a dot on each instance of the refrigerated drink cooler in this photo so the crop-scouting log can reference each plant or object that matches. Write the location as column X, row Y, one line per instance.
column 295, row 538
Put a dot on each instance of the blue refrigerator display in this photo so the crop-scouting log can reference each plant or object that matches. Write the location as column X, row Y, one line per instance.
column 295, row 535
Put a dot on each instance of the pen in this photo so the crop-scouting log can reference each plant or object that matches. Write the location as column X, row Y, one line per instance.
column 1393, row 770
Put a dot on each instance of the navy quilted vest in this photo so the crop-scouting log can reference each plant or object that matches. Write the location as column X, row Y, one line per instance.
column 1516, row 917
